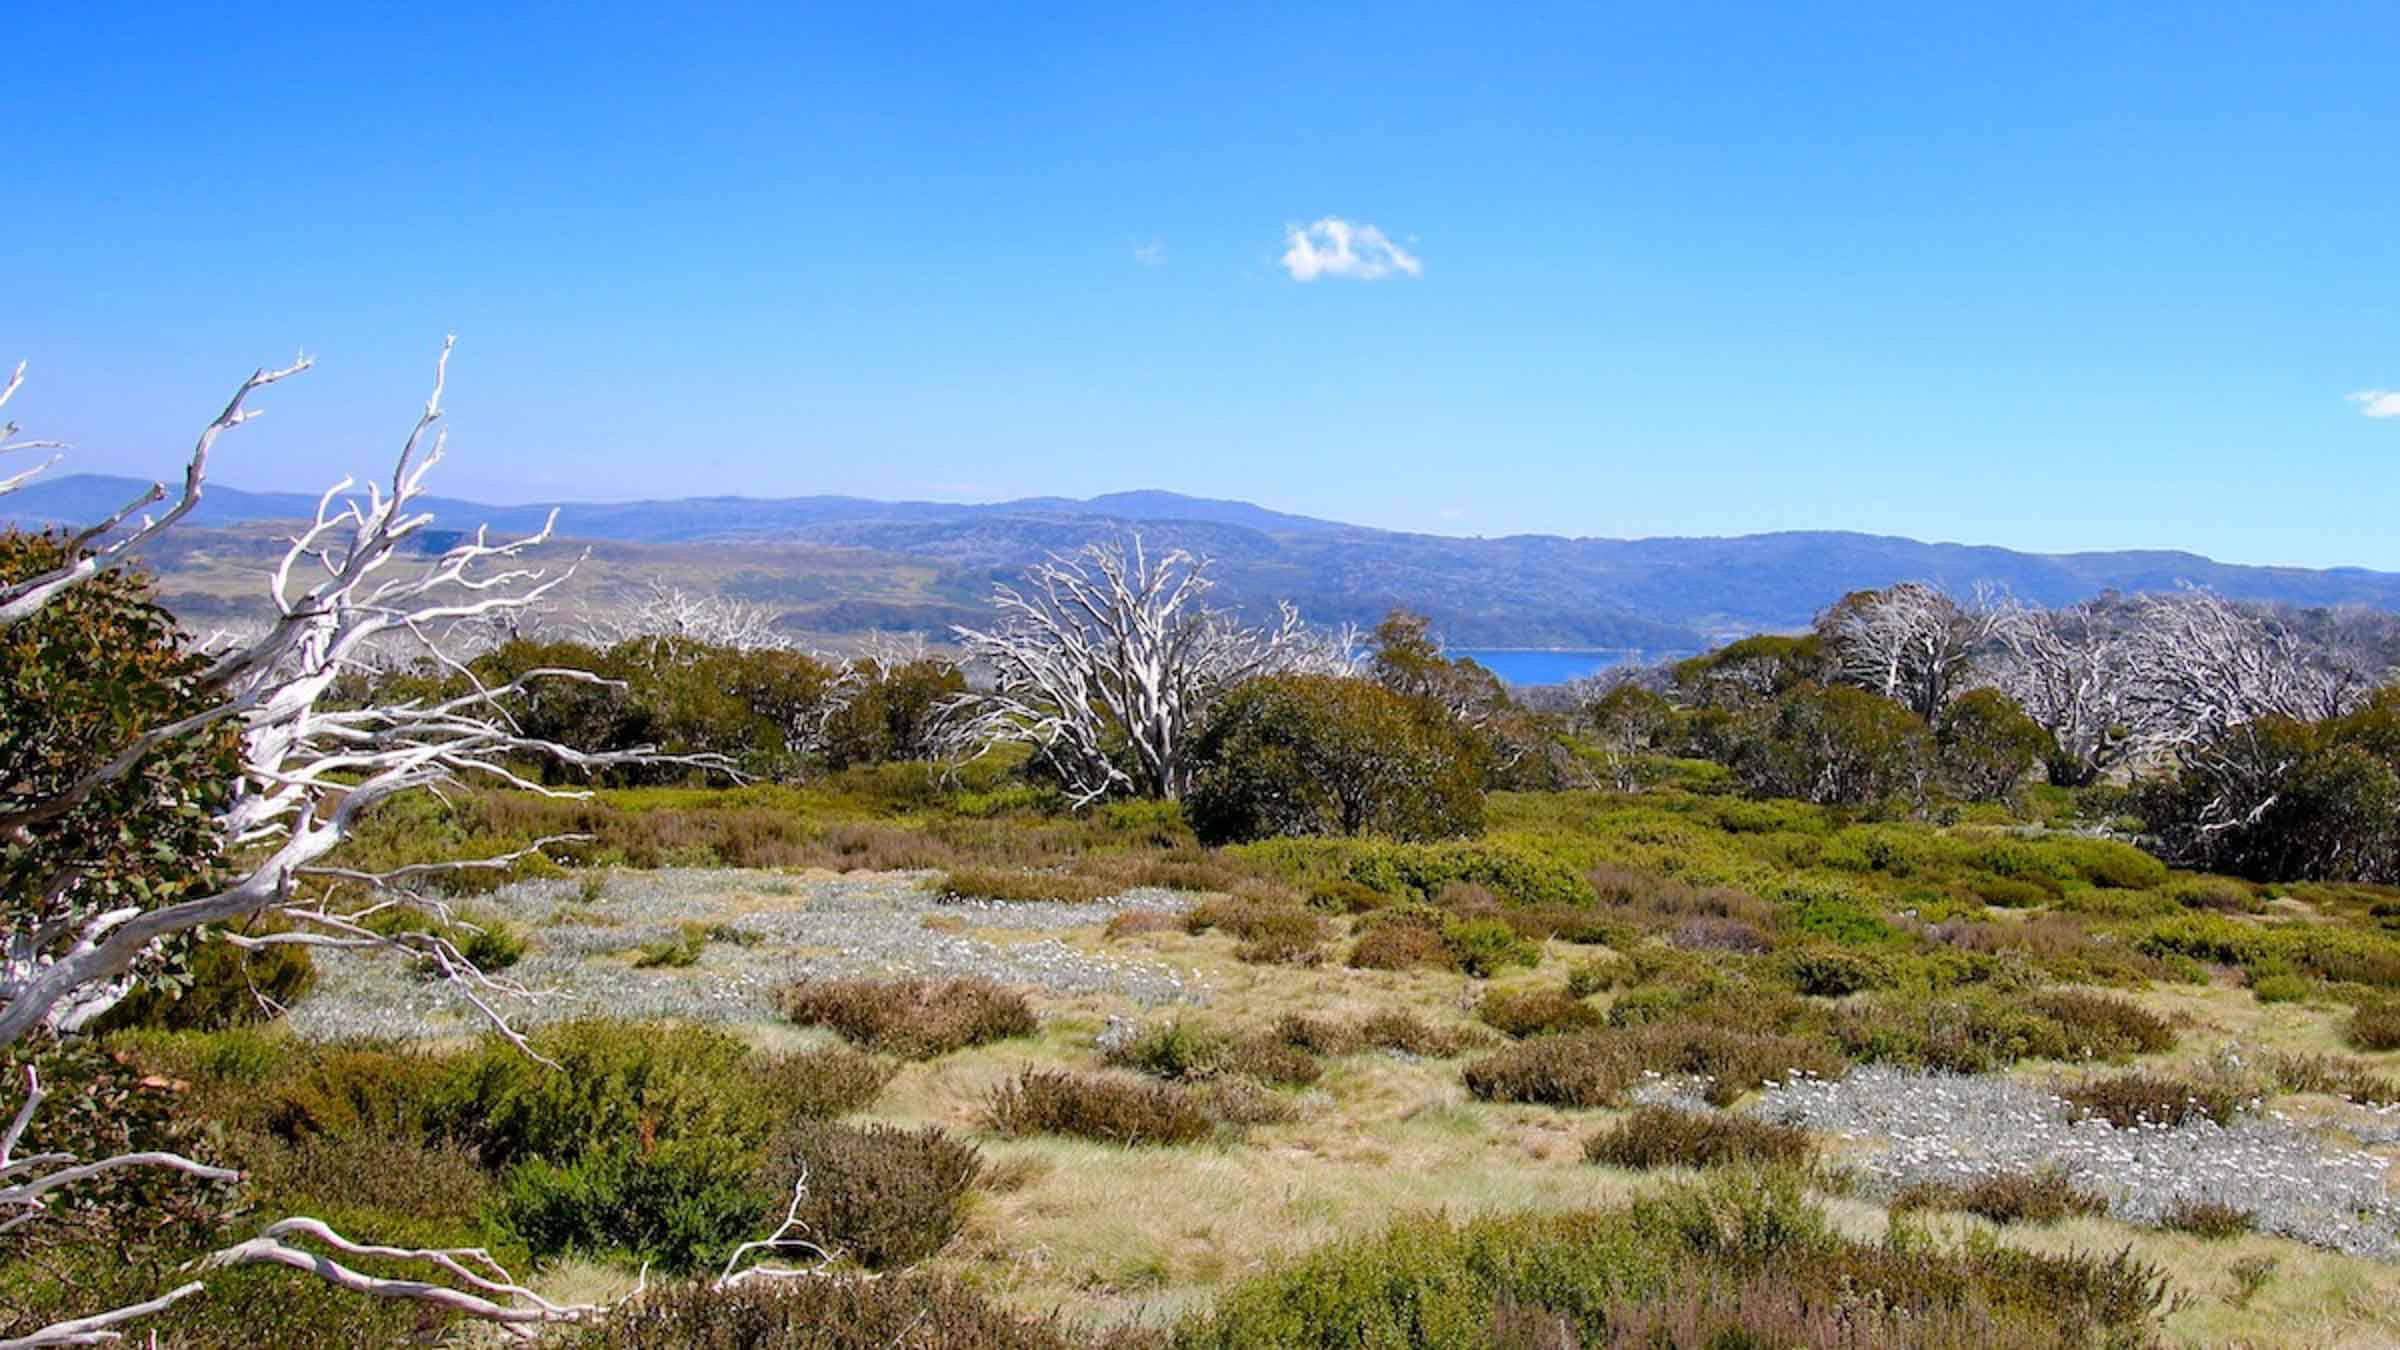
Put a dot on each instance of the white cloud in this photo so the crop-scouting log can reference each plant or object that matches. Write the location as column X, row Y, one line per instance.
column 2378, row 402
column 1151, row 254
column 1337, row 248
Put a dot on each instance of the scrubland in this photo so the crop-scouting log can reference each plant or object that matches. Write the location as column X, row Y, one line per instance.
column 1667, row 1068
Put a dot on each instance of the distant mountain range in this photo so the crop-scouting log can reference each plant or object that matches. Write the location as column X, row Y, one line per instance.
column 847, row 564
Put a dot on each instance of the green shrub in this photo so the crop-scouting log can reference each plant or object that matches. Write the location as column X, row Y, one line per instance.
column 616, row 1087
column 1980, row 1032
column 2011, row 893
column 2102, row 1026
column 1111, row 1110
column 683, row 949
column 1344, row 896
column 1831, row 972
column 678, row 1210
column 2282, row 988
column 1749, row 1213
column 915, row 1018
column 1837, row 917
column 2006, row 1197
column 1322, row 755
column 824, row 1084
column 1662, row 1136
column 1986, row 745
column 1485, row 947
column 1740, row 1260
column 2217, row 894
column 880, row 1195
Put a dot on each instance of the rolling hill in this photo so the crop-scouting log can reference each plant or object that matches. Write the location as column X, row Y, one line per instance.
column 848, row 564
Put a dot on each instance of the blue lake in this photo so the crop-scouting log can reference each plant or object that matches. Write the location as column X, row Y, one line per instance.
column 1536, row 665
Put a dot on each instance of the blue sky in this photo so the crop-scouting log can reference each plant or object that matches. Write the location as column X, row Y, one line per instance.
column 2052, row 277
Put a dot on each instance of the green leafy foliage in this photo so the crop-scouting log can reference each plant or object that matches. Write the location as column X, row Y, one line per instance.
column 1320, row 755
column 82, row 680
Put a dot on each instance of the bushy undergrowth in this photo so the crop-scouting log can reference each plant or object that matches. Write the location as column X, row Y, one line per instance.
column 1519, row 1013
column 1596, row 1068
column 992, row 883
column 1392, row 1029
column 839, row 1313
column 2035, row 1196
column 2375, row 1025
column 2336, row 1075
column 1742, row 1260
column 1182, row 1052
column 2132, row 1099
column 916, row 1018
column 876, row 1194
column 1112, row 1110
column 1271, row 929
column 1665, row 1136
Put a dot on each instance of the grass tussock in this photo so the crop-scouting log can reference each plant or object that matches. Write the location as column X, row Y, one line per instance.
column 1270, row 931
column 1662, row 1136
column 915, row 1018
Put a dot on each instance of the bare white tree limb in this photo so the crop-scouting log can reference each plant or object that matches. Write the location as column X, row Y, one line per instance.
column 1107, row 662
column 99, row 1328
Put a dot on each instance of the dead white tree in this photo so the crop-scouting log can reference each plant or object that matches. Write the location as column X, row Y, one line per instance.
column 1107, row 663
column 1912, row 643
column 2197, row 665
column 662, row 611
column 2066, row 668
column 2122, row 683
column 310, row 770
